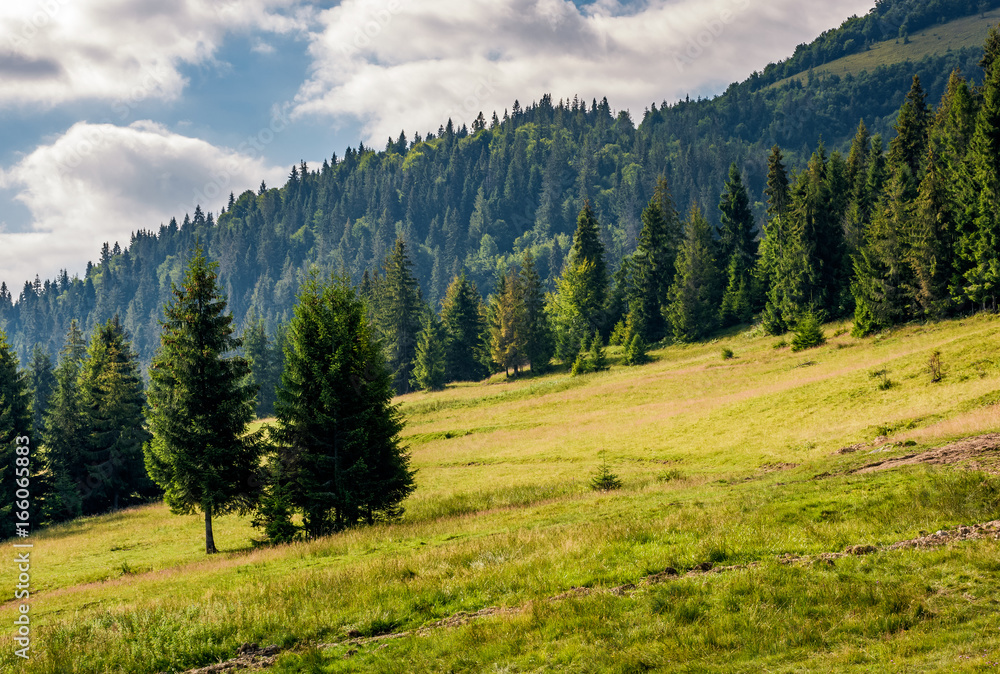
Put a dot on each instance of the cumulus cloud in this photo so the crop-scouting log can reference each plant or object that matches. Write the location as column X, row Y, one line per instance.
column 121, row 49
column 411, row 64
column 101, row 182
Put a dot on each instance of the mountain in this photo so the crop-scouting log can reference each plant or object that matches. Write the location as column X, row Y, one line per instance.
column 469, row 198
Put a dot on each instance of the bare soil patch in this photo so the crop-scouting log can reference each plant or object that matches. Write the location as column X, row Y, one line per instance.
column 983, row 447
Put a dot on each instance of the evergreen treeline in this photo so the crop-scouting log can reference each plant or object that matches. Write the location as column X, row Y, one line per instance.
column 98, row 445
column 474, row 199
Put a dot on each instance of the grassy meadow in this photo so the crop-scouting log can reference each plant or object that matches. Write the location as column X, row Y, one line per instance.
column 726, row 462
column 969, row 31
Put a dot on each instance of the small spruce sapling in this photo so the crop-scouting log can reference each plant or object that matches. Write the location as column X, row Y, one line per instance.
column 636, row 351
column 604, row 479
column 808, row 333
column 598, row 357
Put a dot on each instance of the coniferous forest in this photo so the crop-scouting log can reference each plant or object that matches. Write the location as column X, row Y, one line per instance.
column 472, row 198
column 538, row 235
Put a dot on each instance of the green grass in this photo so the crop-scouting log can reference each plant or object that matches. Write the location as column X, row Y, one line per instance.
column 732, row 462
column 970, row 31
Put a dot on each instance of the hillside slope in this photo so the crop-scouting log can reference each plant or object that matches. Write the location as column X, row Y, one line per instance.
column 763, row 468
column 964, row 33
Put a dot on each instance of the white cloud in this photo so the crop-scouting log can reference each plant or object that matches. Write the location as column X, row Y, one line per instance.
column 57, row 51
column 100, row 182
column 412, row 63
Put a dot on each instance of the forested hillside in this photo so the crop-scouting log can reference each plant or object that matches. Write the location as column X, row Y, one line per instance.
column 472, row 198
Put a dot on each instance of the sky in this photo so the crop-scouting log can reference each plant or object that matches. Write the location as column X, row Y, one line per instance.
column 117, row 115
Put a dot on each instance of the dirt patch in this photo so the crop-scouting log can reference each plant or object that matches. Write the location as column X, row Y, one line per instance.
column 963, row 450
column 989, row 530
column 249, row 657
column 986, row 531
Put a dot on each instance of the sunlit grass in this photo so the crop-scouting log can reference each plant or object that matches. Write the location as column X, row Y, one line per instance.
column 725, row 461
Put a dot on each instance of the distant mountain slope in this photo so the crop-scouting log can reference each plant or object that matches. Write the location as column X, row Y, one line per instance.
column 889, row 20
column 936, row 40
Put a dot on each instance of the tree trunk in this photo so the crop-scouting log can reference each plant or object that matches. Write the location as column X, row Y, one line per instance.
column 209, row 538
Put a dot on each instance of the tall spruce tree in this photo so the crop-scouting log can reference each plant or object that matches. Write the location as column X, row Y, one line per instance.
column 881, row 284
column 859, row 205
column 815, row 217
column 508, row 324
column 777, row 189
column 909, row 147
column 979, row 244
column 653, row 263
column 15, row 422
column 932, row 242
column 65, row 432
column 339, row 461
column 263, row 357
column 201, row 405
column 464, row 317
column 399, row 314
column 582, row 290
column 539, row 341
column 112, row 403
column 737, row 251
column 944, row 210
column 41, row 385
column 697, row 289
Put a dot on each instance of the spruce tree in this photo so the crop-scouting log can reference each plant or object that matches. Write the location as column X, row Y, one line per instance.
column 399, row 314
column 882, row 283
column 814, row 250
column 65, row 432
column 635, row 351
column 777, row 189
column 112, row 402
column 201, row 404
column 539, row 344
column 582, row 291
column 654, row 263
column 785, row 262
column 429, row 367
column 979, row 244
column 856, row 219
column 737, row 251
column 773, row 239
column 697, row 289
column 464, row 317
column 508, row 324
column 339, row 460
column 41, row 385
column 265, row 373
column 15, row 422
column 909, row 147
column 598, row 356
column 931, row 250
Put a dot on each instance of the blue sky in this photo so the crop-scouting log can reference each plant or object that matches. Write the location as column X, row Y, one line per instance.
column 118, row 114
